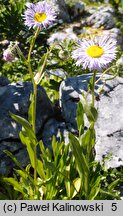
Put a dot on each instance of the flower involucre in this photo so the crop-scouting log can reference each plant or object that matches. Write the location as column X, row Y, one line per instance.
column 95, row 54
column 8, row 55
column 39, row 15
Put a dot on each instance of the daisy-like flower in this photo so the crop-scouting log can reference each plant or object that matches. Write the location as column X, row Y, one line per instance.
column 95, row 54
column 39, row 15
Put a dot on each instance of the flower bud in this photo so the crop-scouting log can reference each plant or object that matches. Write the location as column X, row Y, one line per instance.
column 8, row 55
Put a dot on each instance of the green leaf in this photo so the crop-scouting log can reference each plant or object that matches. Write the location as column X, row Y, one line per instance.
column 67, row 181
column 26, row 125
column 88, row 139
column 42, row 65
column 50, row 166
column 17, row 186
column 40, row 169
column 75, row 187
column 80, row 118
column 30, row 111
column 24, row 175
column 94, row 189
column 113, row 184
column 14, row 159
column 112, row 195
column 90, row 111
column 42, row 148
column 24, row 139
column 31, row 154
column 79, row 156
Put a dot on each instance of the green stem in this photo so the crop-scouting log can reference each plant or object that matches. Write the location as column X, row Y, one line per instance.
column 113, row 66
column 34, row 101
column 93, row 89
column 32, row 43
column 91, row 150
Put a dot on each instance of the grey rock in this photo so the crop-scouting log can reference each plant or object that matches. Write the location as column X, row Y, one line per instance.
column 91, row 10
column 4, row 81
column 121, row 192
column 76, row 9
column 101, row 18
column 107, row 9
column 60, row 36
column 54, row 128
column 14, row 98
column 59, row 72
column 60, row 8
column 116, row 34
column 18, row 150
column 109, row 125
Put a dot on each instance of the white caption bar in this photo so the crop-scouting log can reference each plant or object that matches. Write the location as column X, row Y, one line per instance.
column 61, row 208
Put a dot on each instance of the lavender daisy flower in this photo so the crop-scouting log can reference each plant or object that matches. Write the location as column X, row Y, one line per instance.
column 39, row 15
column 95, row 54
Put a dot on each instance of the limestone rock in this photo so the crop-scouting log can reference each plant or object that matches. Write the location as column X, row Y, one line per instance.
column 3, row 81
column 76, row 9
column 59, row 72
column 18, row 150
column 109, row 125
column 60, row 36
column 101, row 18
column 15, row 98
column 54, row 128
column 60, row 8
column 115, row 33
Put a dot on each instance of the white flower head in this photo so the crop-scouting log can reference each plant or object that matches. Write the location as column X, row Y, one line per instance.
column 95, row 54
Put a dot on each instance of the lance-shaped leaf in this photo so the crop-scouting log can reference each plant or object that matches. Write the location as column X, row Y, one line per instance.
column 28, row 129
column 42, row 65
column 80, row 158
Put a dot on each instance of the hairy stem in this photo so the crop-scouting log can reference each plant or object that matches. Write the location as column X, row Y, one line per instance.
column 93, row 89
column 34, row 101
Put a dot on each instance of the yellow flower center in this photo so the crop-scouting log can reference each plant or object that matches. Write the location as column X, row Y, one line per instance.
column 95, row 51
column 39, row 17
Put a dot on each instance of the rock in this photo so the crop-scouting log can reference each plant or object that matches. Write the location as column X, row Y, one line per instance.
column 15, row 98
column 59, row 72
column 109, row 125
column 4, row 81
column 60, row 8
column 18, row 150
column 101, row 18
column 56, row 128
column 121, row 192
column 116, row 34
column 60, row 36
column 76, row 9
column 107, row 9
